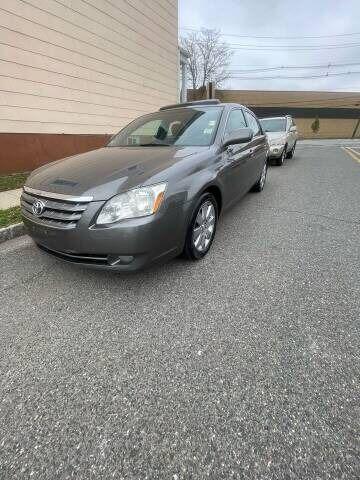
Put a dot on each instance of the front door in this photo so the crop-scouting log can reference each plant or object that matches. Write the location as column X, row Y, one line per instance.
column 236, row 158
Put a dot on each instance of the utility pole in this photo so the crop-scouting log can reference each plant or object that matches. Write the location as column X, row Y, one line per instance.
column 356, row 129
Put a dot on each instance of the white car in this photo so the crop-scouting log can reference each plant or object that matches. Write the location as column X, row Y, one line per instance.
column 282, row 135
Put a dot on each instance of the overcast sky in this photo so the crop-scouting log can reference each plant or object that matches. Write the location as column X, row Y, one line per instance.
column 280, row 18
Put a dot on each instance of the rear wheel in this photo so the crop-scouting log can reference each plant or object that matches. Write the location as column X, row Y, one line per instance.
column 280, row 161
column 202, row 227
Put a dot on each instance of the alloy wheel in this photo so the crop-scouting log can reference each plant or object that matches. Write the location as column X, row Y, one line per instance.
column 204, row 227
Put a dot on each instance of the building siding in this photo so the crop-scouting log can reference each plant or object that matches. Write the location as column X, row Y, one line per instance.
column 339, row 112
column 85, row 67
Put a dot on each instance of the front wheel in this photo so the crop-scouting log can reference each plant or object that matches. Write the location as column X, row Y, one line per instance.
column 260, row 184
column 292, row 152
column 280, row 160
column 202, row 227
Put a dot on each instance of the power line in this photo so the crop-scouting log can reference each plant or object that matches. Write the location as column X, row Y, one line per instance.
column 240, row 46
column 266, row 67
column 293, row 67
column 291, row 48
column 296, row 77
column 275, row 37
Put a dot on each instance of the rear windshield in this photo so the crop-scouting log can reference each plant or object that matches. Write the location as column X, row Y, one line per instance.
column 273, row 124
column 194, row 126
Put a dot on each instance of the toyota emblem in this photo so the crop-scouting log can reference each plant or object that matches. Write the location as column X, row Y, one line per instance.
column 38, row 208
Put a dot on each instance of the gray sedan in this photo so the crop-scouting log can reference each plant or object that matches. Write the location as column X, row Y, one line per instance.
column 155, row 191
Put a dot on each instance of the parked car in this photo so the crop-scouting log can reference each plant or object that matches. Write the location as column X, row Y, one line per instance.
column 282, row 134
column 155, row 191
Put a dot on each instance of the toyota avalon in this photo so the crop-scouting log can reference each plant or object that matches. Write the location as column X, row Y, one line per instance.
column 155, row 191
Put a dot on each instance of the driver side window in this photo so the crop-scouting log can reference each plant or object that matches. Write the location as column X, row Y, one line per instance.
column 235, row 121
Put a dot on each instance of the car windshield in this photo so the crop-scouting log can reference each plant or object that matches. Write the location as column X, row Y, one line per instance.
column 273, row 124
column 194, row 126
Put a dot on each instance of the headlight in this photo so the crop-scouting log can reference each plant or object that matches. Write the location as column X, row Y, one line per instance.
column 140, row 202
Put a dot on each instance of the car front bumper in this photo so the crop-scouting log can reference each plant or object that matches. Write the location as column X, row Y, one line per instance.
column 275, row 151
column 128, row 245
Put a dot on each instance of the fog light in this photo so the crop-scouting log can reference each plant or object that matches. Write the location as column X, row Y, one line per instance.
column 119, row 259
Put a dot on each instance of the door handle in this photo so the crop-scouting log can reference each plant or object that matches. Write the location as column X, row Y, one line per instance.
column 230, row 149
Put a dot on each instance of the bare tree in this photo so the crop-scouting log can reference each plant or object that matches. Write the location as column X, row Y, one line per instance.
column 190, row 44
column 209, row 57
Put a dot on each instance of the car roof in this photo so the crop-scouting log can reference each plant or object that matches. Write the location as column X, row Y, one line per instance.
column 200, row 103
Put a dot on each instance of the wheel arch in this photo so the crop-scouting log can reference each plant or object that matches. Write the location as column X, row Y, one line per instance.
column 216, row 191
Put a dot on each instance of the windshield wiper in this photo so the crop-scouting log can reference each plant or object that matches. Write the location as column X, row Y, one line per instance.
column 153, row 145
column 142, row 145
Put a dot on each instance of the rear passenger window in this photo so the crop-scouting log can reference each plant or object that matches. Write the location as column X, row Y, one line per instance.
column 253, row 123
column 235, row 120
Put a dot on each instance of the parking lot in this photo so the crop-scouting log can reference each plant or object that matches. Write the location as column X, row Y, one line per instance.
column 244, row 365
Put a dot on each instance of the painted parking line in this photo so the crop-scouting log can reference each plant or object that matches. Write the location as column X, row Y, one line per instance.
column 353, row 153
column 354, row 150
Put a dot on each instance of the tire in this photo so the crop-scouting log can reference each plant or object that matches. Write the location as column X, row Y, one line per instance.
column 292, row 152
column 280, row 161
column 197, row 246
column 260, row 184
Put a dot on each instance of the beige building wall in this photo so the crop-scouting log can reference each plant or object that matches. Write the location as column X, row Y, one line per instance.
column 269, row 98
column 329, row 127
column 85, row 66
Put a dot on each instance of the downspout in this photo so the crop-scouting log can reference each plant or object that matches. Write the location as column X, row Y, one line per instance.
column 183, row 82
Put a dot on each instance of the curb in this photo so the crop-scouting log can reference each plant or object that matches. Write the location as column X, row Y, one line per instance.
column 13, row 231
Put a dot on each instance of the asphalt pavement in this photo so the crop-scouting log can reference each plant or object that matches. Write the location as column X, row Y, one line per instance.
column 242, row 366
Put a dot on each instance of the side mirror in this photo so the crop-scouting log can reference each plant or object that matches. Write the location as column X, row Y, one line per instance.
column 241, row 135
column 293, row 129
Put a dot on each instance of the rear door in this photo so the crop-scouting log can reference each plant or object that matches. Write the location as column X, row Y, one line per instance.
column 236, row 158
column 257, row 149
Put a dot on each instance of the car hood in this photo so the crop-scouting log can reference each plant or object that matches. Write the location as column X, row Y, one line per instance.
column 107, row 171
column 275, row 137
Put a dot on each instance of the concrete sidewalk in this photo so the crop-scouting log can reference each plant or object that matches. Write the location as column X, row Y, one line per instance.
column 10, row 198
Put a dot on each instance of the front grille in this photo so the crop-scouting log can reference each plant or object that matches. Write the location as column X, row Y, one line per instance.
column 58, row 213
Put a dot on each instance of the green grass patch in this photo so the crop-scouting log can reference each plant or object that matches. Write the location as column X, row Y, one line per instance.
column 10, row 216
column 11, row 182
